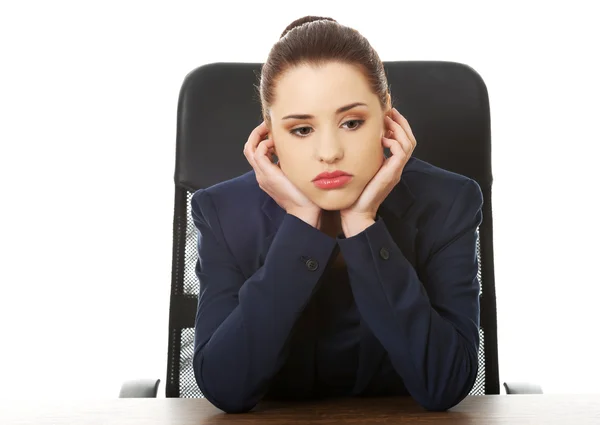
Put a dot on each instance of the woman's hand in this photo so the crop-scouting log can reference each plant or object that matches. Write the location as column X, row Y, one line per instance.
column 402, row 143
column 271, row 179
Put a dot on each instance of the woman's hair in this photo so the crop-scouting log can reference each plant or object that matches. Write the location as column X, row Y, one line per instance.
column 316, row 40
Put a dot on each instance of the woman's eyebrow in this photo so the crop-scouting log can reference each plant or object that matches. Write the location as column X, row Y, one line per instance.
column 338, row 111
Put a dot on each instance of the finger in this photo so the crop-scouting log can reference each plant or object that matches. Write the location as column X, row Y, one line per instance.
column 400, row 135
column 398, row 117
column 249, row 153
column 262, row 156
column 271, row 154
column 399, row 156
column 395, row 148
column 250, row 157
column 389, row 170
column 256, row 136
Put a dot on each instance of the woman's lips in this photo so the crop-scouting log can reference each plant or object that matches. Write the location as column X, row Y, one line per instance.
column 332, row 182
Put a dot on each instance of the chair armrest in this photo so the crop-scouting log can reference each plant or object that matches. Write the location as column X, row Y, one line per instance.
column 139, row 388
column 522, row 388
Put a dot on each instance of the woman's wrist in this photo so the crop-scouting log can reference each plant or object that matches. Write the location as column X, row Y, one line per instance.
column 353, row 226
column 308, row 216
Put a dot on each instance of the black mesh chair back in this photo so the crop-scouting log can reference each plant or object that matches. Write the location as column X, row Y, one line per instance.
column 447, row 106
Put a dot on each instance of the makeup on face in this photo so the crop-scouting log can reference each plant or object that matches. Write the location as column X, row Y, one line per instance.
column 332, row 180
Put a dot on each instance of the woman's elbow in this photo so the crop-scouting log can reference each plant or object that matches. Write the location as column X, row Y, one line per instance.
column 439, row 405
column 449, row 395
column 225, row 394
column 232, row 405
column 448, row 399
column 442, row 401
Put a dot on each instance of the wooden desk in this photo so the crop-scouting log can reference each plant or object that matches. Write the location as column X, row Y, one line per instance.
column 501, row 409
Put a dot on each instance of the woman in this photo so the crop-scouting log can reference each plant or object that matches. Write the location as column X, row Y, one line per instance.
column 336, row 271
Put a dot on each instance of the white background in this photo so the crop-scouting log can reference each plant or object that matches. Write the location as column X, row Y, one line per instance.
column 88, row 96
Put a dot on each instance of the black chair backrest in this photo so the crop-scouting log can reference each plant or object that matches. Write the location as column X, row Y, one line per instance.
column 447, row 106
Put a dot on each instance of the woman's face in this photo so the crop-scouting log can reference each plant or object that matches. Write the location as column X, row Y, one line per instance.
column 311, row 136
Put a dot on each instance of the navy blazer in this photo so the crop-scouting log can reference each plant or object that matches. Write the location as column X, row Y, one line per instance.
column 413, row 275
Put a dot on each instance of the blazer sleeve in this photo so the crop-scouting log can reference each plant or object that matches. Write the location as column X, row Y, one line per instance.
column 429, row 327
column 242, row 326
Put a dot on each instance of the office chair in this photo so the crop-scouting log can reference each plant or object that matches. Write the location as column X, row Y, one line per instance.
column 447, row 106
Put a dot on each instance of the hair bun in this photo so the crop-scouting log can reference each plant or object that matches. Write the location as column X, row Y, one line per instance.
column 304, row 20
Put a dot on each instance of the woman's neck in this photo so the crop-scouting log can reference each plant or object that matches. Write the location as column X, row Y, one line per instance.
column 331, row 223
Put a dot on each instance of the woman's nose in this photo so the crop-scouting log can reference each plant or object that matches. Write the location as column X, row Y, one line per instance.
column 329, row 151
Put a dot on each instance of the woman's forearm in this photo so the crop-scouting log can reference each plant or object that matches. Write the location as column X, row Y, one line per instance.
column 235, row 363
column 428, row 323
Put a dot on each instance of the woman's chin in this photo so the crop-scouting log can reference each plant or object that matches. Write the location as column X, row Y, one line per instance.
column 335, row 202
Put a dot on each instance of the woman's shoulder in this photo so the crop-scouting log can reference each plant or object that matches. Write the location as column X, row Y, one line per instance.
column 236, row 200
column 232, row 209
column 428, row 182
column 235, row 191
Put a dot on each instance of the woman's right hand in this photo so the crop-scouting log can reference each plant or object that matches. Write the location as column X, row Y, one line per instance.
column 271, row 179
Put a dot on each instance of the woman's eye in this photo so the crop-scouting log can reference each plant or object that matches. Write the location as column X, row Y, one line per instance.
column 305, row 131
column 357, row 123
column 294, row 131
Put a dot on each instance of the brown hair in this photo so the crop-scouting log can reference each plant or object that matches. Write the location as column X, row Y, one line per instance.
column 316, row 40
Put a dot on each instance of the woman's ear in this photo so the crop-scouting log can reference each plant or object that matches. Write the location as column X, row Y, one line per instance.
column 387, row 112
column 388, row 104
column 273, row 150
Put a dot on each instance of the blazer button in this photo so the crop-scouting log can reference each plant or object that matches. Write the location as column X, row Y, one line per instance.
column 312, row 265
column 384, row 253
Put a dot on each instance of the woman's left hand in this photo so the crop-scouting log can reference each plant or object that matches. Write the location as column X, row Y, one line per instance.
column 402, row 143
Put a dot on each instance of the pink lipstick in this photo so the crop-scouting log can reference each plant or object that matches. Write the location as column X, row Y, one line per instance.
column 332, row 180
